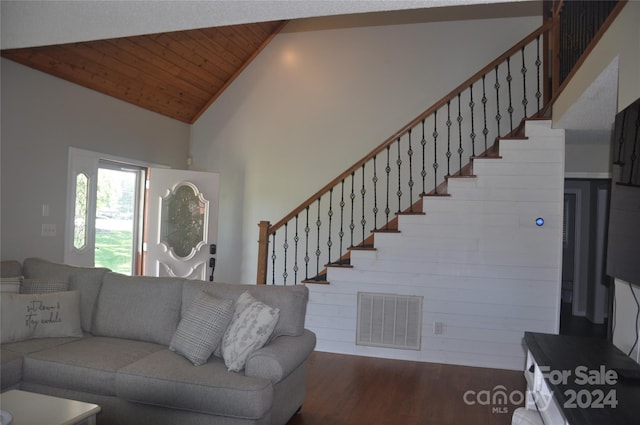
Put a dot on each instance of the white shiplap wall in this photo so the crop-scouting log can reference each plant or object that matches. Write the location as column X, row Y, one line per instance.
column 484, row 268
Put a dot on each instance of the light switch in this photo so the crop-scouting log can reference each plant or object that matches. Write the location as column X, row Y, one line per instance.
column 45, row 210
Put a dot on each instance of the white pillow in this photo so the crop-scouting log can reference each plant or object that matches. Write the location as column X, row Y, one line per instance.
column 52, row 315
column 247, row 333
column 202, row 327
column 244, row 300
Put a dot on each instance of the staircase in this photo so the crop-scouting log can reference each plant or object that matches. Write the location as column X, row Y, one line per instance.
column 421, row 255
column 483, row 269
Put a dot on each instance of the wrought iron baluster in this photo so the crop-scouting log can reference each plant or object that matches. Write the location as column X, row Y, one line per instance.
column 435, row 152
column 485, row 130
column 363, row 192
column 375, row 195
column 498, row 116
column 342, row 204
column 307, row 230
column 538, row 63
column 273, row 258
column 472, row 105
column 448, row 138
column 296, row 239
column 509, row 79
column 285, row 247
column 459, row 119
column 399, row 192
column 410, row 155
column 387, row 209
column 352, row 196
column 423, row 173
column 318, row 252
column 330, row 214
column 524, row 84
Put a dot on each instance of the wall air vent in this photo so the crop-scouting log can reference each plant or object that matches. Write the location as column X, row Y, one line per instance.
column 390, row 321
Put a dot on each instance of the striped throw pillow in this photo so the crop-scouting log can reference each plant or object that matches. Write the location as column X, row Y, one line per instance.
column 43, row 286
column 10, row 284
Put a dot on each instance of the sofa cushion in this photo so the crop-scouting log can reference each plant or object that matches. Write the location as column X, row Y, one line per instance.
column 202, row 328
column 165, row 378
column 26, row 316
column 88, row 364
column 290, row 300
column 10, row 268
column 252, row 325
column 11, row 372
column 137, row 307
column 87, row 280
column 39, row 344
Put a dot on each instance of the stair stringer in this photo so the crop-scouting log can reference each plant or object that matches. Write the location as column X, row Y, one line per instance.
column 485, row 270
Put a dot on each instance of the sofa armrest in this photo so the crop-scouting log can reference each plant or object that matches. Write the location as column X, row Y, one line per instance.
column 282, row 356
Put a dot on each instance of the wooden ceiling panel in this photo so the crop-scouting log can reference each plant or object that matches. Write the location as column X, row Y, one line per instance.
column 177, row 74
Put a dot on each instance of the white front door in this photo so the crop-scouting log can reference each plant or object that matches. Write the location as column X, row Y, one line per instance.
column 182, row 223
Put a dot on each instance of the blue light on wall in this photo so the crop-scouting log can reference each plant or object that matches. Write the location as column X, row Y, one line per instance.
column 539, row 221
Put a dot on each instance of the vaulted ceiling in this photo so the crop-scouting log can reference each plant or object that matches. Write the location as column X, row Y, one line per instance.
column 177, row 74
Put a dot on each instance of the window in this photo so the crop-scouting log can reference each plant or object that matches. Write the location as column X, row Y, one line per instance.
column 80, row 212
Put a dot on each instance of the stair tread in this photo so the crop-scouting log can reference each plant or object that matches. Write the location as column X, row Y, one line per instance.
column 487, row 157
column 362, row 248
column 316, row 282
column 457, row 176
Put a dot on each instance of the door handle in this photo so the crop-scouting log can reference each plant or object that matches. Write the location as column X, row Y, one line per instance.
column 212, row 264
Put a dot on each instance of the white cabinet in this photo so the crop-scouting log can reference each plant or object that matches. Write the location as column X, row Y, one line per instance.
column 539, row 395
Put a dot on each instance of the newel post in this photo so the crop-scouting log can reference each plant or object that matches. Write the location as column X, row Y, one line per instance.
column 263, row 252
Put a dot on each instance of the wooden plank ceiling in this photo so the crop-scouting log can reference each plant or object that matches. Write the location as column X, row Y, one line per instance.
column 177, row 74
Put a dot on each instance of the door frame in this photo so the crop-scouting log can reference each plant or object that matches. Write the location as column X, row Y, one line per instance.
column 577, row 251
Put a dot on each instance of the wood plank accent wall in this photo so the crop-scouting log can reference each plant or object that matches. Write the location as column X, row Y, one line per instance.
column 486, row 271
column 177, row 74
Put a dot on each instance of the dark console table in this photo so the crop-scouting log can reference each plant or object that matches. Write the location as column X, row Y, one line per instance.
column 575, row 381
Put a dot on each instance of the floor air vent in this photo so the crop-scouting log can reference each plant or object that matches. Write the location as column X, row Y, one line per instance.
column 390, row 321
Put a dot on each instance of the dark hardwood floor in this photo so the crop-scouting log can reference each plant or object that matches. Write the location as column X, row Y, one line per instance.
column 354, row 390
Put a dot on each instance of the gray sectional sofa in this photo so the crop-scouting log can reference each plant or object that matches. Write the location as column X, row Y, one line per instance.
column 118, row 355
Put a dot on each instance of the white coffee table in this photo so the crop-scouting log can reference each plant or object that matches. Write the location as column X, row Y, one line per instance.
column 36, row 409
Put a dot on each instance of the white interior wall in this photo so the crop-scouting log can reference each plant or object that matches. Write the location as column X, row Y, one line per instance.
column 322, row 94
column 42, row 116
column 487, row 273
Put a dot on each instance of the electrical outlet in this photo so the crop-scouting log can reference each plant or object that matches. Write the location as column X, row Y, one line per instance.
column 437, row 328
column 48, row 230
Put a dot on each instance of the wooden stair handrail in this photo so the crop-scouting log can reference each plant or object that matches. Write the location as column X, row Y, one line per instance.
column 325, row 189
